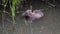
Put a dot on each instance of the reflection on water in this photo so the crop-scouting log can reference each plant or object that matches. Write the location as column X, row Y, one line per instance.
column 49, row 24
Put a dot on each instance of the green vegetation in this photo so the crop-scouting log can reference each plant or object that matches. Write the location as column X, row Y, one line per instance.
column 12, row 4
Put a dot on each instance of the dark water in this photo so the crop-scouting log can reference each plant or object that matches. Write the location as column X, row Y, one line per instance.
column 49, row 24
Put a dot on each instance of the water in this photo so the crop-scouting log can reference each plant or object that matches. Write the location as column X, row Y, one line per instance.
column 49, row 24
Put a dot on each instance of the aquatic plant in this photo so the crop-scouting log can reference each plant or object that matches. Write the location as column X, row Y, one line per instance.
column 12, row 6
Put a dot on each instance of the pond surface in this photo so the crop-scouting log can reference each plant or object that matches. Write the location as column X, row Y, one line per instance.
column 49, row 24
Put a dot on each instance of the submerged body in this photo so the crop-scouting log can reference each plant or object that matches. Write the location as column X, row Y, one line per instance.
column 31, row 16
